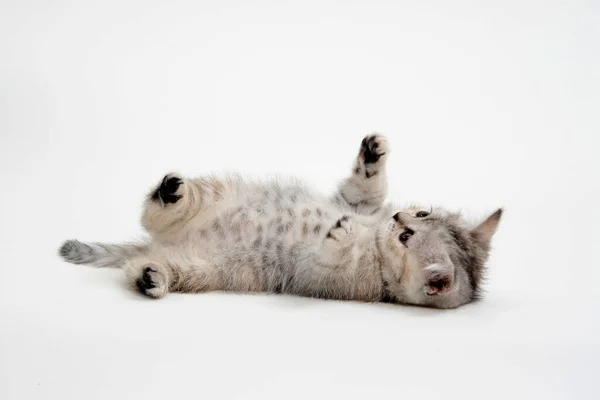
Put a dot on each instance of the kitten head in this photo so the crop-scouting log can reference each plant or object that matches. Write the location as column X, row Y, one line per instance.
column 434, row 258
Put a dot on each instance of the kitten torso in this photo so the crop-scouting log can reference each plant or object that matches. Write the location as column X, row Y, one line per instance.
column 273, row 237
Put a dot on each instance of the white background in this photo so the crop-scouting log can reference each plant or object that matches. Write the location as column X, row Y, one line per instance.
column 486, row 104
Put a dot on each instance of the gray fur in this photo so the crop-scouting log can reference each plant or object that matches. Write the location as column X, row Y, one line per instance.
column 237, row 235
column 99, row 254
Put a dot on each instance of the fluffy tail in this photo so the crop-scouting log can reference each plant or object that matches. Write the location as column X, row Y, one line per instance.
column 99, row 254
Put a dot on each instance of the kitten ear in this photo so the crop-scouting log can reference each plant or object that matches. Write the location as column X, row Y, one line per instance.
column 439, row 278
column 484, row 231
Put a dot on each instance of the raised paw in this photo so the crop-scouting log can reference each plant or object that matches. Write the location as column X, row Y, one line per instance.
column 152, row 282
column 341, row 231
column 168, row 190
column 372, row 148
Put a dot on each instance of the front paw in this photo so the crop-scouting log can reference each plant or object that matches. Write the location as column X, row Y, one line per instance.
column 341, row 231
column 373, row 148
column 169, row 190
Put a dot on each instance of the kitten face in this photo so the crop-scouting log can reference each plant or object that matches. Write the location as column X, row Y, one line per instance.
column 434, row 258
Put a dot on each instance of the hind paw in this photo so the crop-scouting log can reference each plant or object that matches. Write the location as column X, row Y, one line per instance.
column 169, row 190
column 152, row 282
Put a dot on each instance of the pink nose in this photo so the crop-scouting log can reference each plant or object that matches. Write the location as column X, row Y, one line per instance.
column 400, row 217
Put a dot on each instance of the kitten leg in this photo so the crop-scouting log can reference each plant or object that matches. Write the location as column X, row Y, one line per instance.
column 177, row 200
column 335, row 273
column 339, row 243
column 174, row 270
column 366, row 189
column 167, row 204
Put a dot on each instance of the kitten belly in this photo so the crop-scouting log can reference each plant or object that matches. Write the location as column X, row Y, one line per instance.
column 260, row 245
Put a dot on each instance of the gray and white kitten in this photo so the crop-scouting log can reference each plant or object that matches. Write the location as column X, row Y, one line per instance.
column 237, row 235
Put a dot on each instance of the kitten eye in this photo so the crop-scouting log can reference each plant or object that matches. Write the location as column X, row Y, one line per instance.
column 422, row 214
column 404, row 236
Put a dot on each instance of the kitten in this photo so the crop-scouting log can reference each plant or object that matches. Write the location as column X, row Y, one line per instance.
column 238, row 235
